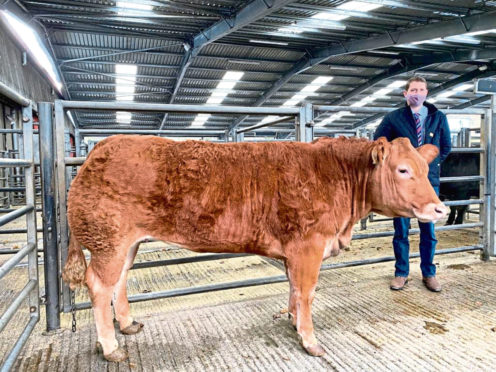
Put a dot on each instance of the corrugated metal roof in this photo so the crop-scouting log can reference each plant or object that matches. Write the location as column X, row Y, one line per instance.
column 89, row 38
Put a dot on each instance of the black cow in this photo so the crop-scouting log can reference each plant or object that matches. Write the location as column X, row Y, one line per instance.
column 458, row 165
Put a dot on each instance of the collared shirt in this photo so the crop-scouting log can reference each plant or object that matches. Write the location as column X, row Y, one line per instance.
column 422, row 116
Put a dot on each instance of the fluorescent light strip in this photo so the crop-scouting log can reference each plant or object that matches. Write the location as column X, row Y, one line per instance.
column 132, row 7
column 272, row 42
column 224, row 87
column 333, row 117
column 32, row 42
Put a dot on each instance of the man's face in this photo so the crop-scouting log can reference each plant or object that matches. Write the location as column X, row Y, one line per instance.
column 416, row 87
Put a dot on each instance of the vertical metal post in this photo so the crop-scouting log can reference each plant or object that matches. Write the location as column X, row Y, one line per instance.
column 34, row 296
column 309, row 123
column 77, row 140
column 492, row 178
column 50, row 253
column 487, row 170
column 239, row 137
column 61, row 183
column 304, row 124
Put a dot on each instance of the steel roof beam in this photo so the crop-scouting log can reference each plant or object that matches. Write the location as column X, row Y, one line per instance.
column 253, row 11
column 473, row 102
column 439, row 29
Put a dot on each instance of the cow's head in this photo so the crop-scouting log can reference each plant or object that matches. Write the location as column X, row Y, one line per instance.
column 399, row 186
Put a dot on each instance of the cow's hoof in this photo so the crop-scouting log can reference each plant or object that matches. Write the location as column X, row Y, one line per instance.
column 118, row 355
column 315, row 350
column 134, row 328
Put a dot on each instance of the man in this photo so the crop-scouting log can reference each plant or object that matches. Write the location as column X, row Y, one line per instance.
column 422, row 123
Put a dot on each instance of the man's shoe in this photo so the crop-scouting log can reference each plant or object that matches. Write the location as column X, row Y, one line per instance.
column 398, row 283
column 432, row 284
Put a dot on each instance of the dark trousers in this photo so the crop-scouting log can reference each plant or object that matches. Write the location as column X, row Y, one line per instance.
column 427, row 246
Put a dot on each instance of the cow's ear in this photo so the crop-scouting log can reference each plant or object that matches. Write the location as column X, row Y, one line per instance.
column 428, row 152
column 380, row 150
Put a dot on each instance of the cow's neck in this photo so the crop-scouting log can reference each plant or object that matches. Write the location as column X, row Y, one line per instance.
column 352, row 160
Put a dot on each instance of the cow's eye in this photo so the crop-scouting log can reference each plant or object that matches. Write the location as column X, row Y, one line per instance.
column 404, row 171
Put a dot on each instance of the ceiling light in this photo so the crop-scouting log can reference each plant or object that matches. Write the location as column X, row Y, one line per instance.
column 463, row 87
column 31, row 42
column 214, row 100
column 290, row 29
column 127, row 69
column 322, row 80
column 359, row 6
column 123, row 117
column 127, row 8
column 268, row 42
column 397, row 84
column 233, row 75
column 344, row 68
column 328, row 16
column 243, row 62
column 383, row 92
column 463, row 39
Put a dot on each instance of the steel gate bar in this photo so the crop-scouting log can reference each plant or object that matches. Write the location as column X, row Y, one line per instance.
column 31, row 290
column 62, row 162
column 50, row 256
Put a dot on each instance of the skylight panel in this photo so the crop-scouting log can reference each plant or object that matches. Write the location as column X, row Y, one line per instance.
column 333, row 117
column 383, row 92
column 32, row 43
column 129, row 7
column 125, row 81
column 359, row 6
column 328, row 16
column 126, row 69
column 224, row 87
column 464, row 39
column 123, row 117
column 397, row 84
column 463, row 87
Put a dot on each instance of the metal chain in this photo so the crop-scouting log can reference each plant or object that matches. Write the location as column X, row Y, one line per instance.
column 73, row 310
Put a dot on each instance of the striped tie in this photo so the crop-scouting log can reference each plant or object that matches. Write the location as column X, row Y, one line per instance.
column 416, row 116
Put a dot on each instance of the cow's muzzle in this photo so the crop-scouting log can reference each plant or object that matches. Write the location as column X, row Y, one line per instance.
column 432, row 212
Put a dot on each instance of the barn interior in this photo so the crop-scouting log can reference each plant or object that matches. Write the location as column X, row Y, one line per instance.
column 75, row 72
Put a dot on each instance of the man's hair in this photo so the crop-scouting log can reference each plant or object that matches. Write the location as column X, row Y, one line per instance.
column 417, row 78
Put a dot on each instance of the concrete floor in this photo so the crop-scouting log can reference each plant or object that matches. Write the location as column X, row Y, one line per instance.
column 362, row 325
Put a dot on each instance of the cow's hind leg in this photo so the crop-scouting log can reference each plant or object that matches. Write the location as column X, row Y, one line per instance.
column 127, row 325
column 101, row 278
column 292, row 299
column 303, row 273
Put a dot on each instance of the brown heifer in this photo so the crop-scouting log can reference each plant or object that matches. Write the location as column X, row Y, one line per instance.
column 296, row 202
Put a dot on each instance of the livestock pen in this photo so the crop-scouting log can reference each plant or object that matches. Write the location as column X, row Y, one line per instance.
column 241, row 323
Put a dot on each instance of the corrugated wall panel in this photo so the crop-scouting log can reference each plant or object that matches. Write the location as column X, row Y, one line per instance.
column 24, row 79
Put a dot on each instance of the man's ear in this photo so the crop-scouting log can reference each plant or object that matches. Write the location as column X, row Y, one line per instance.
column 428, row 152
column 380, row 150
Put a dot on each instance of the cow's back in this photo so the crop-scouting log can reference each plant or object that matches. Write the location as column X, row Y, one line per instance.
column 235, row 192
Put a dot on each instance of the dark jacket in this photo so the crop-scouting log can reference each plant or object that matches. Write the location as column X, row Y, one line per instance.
column 400, row 123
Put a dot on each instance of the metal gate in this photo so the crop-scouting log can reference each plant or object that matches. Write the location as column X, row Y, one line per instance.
column 31, row 289
column 58, row 162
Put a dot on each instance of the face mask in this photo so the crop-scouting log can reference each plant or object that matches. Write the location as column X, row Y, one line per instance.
column 415, row 100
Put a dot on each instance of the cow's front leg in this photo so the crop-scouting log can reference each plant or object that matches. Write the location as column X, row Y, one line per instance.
column 303, row 274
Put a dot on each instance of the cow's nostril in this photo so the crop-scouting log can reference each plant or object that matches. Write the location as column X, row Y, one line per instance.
column 439, row 210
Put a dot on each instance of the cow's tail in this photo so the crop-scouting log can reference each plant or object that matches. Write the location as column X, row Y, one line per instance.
column 75, row 266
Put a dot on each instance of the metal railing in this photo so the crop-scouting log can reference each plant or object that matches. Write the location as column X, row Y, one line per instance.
column 31, row 289
column 304, row 131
